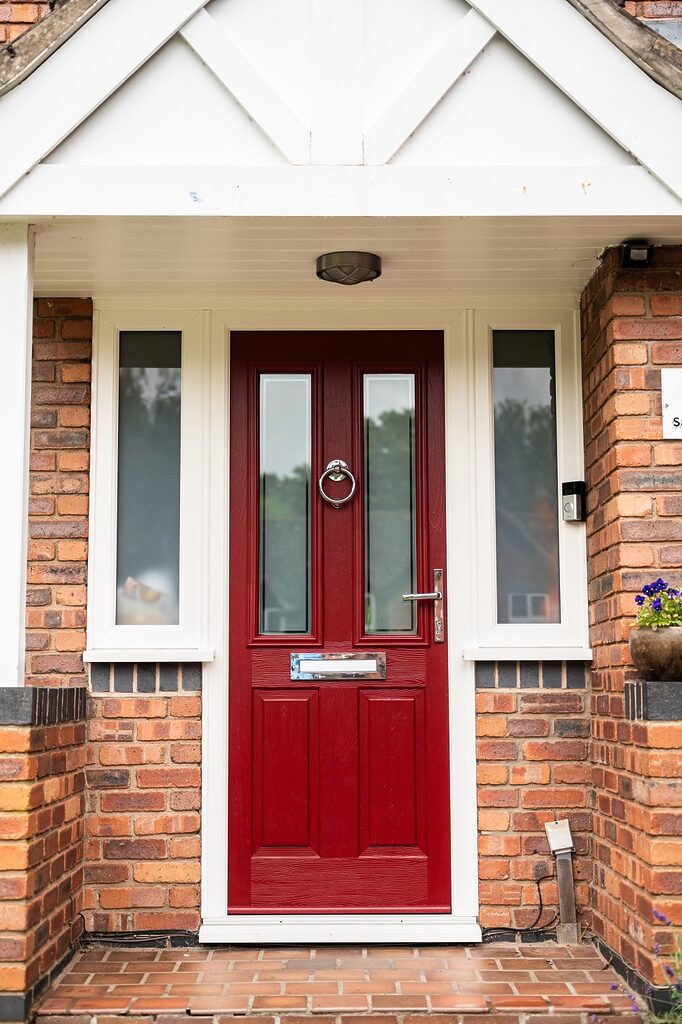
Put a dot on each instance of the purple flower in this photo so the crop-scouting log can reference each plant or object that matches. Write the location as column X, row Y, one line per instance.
column 661, row 918
column 639, row 600
column 656, row 604
column 669, row 971
column 660, row 585
column 647, row 590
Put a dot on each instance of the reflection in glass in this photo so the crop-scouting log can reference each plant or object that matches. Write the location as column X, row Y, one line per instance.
column 526, row 491
column 390, row 532
column 285, row 448
column 148, row 532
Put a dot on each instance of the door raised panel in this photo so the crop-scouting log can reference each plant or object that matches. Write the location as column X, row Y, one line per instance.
column 391, row 769
column 285, row 754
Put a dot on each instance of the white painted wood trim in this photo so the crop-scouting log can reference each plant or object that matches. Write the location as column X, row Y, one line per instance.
column 65, row 96
column 248, row 86
column 550, row 33
column 369, row 928
column 460, row 521
column 442, row 69
column 572, row 631
column 215, row 677
column 134, row 654
column 16, row 321
column 527, row 654
column 390, row 191
column 337, row 77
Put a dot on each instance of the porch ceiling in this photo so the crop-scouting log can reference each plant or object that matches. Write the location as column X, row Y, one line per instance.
column 437, row 260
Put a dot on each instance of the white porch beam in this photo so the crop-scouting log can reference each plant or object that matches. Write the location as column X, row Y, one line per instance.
column 16, row 297
column 248, row 86
column 598, row 77
column 53, row 190
column 438, row 74
column 80, row 76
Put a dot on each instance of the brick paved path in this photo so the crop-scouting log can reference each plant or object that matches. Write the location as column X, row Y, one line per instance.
column 400, row 984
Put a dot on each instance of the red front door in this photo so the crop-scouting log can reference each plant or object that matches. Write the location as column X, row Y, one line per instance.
column 338, row 767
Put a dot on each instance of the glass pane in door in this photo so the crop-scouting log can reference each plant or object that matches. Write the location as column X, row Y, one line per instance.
column 390, row 518
column 526, row 489
column 284, row 507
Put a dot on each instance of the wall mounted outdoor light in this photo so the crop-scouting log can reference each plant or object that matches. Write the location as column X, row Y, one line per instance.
column 349, row 267
column 635, row 254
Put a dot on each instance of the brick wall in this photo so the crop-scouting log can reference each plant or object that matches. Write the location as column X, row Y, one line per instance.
column 142, row 819
column 15, row 17
column 41, row 837
column 654, row 8
column 143, row 863
column 59, row 486
column 532, row 750
column 632, row 325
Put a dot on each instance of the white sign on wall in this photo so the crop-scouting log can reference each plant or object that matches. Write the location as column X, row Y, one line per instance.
column 671, row 401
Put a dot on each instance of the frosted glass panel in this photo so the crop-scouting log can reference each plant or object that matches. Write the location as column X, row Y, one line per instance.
column 526, row 491
column 148, row 542
column 390, row 534
column 285, row 444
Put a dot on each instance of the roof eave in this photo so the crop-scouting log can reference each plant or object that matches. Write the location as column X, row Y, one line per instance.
column 655, row 55
column 20, row 58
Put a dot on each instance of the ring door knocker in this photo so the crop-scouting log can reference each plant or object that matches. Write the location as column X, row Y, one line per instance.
column 337, row 470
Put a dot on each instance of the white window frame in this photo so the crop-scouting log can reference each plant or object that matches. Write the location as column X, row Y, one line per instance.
column 567, row 639
column 186, row 641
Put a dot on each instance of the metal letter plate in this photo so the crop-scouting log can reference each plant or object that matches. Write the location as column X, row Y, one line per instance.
column 344, row 665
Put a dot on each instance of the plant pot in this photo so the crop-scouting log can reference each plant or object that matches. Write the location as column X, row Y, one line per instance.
column 657, row 653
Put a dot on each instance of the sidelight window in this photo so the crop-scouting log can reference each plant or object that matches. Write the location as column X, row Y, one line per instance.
column 526, row 489
column 529, row 576
column 158, row 390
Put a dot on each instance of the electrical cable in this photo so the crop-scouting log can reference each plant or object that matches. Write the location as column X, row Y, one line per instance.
column 532, row 928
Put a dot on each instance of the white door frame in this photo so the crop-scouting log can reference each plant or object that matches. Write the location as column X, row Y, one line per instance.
column 461, row 925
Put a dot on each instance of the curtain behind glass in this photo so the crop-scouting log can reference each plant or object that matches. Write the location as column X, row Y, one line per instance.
column 148, row 532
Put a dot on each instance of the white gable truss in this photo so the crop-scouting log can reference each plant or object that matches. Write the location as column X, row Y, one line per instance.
column 234, row 107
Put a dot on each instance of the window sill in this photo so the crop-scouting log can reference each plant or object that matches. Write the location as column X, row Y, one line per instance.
column 527, row 654
column 148, row 655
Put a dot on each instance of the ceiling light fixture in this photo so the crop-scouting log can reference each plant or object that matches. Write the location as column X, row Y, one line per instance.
column 349, row 267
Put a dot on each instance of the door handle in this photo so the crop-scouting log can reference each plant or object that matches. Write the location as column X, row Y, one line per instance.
column 436, row 595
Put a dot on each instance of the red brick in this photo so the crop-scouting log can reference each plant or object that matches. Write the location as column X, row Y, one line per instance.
column 557, row 750
column 168, row 778
column 64, row 307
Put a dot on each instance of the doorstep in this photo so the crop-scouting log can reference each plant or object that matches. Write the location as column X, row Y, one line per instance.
column 401, row 984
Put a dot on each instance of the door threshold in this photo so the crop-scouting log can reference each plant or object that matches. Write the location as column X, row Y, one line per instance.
column 293, row 929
